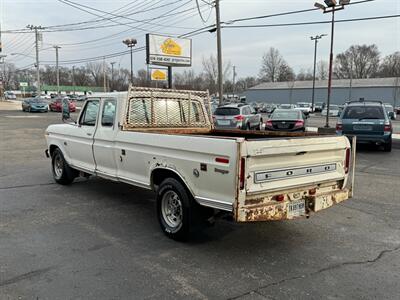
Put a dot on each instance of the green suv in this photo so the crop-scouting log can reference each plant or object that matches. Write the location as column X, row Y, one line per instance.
column 368, row 121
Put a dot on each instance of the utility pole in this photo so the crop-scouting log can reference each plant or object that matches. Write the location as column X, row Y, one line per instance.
column 351, row 80
column 57, row 69
column 38, row 38
column 315, row 39
column 233, row 81
column 73, row 79
column 112, row 76
column 219, row 53
column 104, row 75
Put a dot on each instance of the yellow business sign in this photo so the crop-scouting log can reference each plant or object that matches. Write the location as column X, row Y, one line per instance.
column 158, row 75
column 171, row 47
column 168, row 51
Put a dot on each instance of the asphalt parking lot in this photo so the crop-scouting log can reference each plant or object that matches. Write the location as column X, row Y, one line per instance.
column 100, row 240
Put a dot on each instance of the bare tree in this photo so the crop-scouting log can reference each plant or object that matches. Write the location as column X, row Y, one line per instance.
column 322, row 70
column 360, row 60
column 272, row 60
column 304, row 75
column 97, row 73
column 390, row 66
column 210, row 69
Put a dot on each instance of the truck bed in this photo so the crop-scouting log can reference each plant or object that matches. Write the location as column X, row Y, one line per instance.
column 248, row 135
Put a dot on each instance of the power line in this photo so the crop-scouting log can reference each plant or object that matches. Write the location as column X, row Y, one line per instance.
column 312, row 23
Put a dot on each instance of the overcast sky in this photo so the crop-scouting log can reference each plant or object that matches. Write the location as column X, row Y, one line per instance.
column 242, row 47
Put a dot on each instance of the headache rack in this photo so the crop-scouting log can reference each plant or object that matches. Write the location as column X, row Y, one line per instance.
column 152, row 108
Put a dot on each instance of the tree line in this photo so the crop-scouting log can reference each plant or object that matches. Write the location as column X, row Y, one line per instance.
column 358, row 61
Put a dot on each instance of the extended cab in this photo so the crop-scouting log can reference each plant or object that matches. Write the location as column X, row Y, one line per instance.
column 164, row 140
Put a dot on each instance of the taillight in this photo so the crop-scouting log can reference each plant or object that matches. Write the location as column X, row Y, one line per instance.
column 239, row 118
column 347, row 161
column 299, row 123
column 388, row 128
column 222, row 160
column 279, row 198
column 242, row 173
column 339, row 127
column 268, row 123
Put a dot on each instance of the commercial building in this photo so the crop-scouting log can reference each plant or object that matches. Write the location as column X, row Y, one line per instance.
column 384, row 89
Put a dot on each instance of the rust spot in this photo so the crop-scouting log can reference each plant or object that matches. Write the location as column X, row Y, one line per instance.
column 253, row 201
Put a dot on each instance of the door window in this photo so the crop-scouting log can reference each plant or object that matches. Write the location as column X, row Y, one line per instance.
column 89, row 116
column 108, row 115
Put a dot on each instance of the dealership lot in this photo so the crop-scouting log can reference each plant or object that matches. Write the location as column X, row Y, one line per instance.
column 98, row 239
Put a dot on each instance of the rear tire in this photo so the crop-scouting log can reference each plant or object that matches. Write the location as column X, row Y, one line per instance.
column 177, row 211
column 388, row 146
column 62, row 172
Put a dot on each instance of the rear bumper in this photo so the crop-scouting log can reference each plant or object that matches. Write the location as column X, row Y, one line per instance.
column 365, row 139
column 277, row 211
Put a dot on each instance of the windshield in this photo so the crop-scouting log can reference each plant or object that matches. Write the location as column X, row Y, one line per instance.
column 364, row 112
column 333, row 107
column 288, row 115
column 227, row 111
column 302, row 104
column 285, row 106
column 389, row 108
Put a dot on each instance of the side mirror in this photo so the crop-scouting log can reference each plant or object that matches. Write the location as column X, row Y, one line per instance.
column 65, row 110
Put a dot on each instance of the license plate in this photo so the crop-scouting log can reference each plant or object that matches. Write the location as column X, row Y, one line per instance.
column 296, row 208
column 283, row 125
column 224, row 122
column 362, row 127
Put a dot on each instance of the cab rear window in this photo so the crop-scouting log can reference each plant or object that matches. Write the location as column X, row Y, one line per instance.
column 227, row 111
column 363, row 112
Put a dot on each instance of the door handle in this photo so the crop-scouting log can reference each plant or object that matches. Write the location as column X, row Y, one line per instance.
column 89, row 134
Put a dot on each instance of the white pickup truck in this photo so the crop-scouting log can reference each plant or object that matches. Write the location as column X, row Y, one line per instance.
column 164, row 140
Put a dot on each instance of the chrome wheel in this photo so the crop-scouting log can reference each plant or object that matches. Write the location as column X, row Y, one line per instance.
column 58, row 166
column 171, row 209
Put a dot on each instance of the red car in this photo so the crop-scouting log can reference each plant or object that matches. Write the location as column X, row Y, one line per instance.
column 56, row 105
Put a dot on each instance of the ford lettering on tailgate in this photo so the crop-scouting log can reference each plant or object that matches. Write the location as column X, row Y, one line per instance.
column 293, row 172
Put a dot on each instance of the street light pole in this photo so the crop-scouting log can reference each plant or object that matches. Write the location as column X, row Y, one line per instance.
column 219, row 53
column 315, row 39
column 57, row 69
column 331, row 7
column 131, row 43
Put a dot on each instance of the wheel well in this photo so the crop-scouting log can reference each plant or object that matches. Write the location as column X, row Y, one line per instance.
column 159, row 175
column 52, row 149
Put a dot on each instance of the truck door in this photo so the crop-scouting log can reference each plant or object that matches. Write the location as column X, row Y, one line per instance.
column 104, row 141
column 80, row 143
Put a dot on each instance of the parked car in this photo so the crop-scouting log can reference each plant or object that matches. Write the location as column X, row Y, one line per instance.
column 237, row 116
column 304, row 107
column 334, row 111
column 81, row 98
column 368, row 121
column 319, row 106
column 9, row 95
column 390, row 111
column 35, row 105
column 286, row 120
column 56, row 105
column 286, row 106
column 197, row 172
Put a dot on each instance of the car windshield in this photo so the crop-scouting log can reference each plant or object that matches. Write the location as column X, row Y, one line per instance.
column 364, row 112
column 389, row 108
column 285, row 114
column 285, row 106
column 227, row 111
column 333, row 107
column 302, row 104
